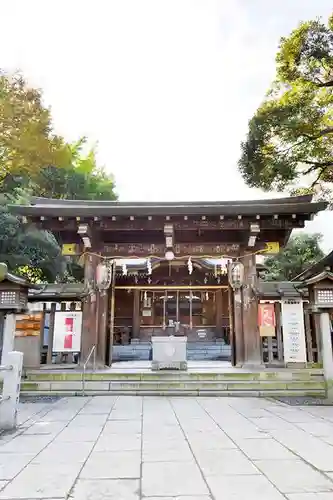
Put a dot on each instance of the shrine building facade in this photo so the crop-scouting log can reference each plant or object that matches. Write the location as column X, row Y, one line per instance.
column 169, row 264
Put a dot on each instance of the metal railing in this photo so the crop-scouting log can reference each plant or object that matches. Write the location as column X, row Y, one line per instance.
column 91, row 352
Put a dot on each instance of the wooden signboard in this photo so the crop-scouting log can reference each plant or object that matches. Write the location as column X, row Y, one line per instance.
column 180, row 250
column 28, row 325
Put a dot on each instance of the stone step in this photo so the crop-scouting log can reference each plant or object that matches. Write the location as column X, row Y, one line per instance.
column 183, row 393
column 170, row 387
column 232, row 375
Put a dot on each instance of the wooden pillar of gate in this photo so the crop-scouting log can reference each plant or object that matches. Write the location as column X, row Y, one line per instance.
column 308, row 335
column 232, row 325
column 238, row 333
column 90, row 309
column 252, row 341
column 278, row 328
column 51, row 333
column 136, row 314
column 219, row 313
column 102, row 324
column 112, row 298
column 316, row 321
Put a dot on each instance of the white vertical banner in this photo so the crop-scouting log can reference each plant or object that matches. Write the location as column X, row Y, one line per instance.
column 294, row 346
column 67, row 331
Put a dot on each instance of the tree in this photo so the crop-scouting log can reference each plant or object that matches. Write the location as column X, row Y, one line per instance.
column 32, row 155
column 27, row 142
column 301, row 252
column 36, row 162
column 290, row 137
column 22, row 247
column 81, row 179
column 36, row 254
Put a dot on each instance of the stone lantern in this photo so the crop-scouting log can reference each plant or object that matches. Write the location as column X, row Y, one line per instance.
column 320, row 289
column 13, row 291
column 13, row 299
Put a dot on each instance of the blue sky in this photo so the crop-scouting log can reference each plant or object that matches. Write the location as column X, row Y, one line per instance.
column 166, row 87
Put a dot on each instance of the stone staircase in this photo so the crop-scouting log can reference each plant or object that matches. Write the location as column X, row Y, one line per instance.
column 195, row 351
column 279, row 382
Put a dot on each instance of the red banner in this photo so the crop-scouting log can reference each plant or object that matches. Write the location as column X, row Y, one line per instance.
column 266, row 320
column 68, row 338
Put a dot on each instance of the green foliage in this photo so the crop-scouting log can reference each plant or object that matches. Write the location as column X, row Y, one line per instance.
column 290, row 137
column 31, row 274
column 81, row 180
column 23, row 245
column 36, row 162
column 74, row 273
column 27, row 141
column 301, row 252
column 32, row 156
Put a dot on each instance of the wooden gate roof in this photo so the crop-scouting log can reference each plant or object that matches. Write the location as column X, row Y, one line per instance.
column 83, row 208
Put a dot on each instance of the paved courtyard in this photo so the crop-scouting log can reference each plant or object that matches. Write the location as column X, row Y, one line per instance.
column 129, row 448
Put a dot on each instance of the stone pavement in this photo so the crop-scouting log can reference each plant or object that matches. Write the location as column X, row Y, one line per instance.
column 131, row 448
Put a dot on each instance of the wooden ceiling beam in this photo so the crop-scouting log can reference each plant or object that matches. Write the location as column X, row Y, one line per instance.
column 158, row 224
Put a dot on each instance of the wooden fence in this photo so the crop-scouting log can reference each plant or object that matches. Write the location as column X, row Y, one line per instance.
column 272, row 347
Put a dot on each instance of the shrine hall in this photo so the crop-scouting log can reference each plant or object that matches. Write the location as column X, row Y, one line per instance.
column 168, row 269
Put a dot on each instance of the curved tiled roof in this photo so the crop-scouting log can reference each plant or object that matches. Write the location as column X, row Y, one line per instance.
column 55, row 207
column 266, row 289
column 36, row 200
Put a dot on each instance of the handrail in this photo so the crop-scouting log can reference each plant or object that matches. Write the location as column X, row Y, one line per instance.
column 91, row 352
